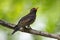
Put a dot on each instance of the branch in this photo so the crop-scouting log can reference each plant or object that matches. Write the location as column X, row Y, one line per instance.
column 31, row 31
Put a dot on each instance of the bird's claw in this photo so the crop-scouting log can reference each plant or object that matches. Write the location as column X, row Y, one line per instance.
column 28, row 27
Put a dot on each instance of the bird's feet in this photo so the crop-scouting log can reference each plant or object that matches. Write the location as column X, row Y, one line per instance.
column 28, row 27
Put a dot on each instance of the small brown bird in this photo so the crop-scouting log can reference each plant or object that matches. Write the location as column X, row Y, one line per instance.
column 26, row 20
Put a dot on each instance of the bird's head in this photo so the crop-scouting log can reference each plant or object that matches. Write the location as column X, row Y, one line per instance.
column 33, row 10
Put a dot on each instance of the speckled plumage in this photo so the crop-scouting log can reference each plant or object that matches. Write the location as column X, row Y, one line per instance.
column 26, row 20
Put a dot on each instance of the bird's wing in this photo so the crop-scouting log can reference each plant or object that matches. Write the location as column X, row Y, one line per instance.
column 28, row 19
column 25, row 21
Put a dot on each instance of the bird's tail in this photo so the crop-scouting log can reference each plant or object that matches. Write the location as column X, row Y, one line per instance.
column 16, row 29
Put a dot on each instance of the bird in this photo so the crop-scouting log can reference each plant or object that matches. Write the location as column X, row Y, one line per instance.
column 26, row 21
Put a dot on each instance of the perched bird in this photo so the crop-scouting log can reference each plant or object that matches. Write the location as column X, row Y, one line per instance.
column 26, row 20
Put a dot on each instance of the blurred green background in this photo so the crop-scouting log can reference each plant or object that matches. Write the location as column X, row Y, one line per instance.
column 48, row 17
